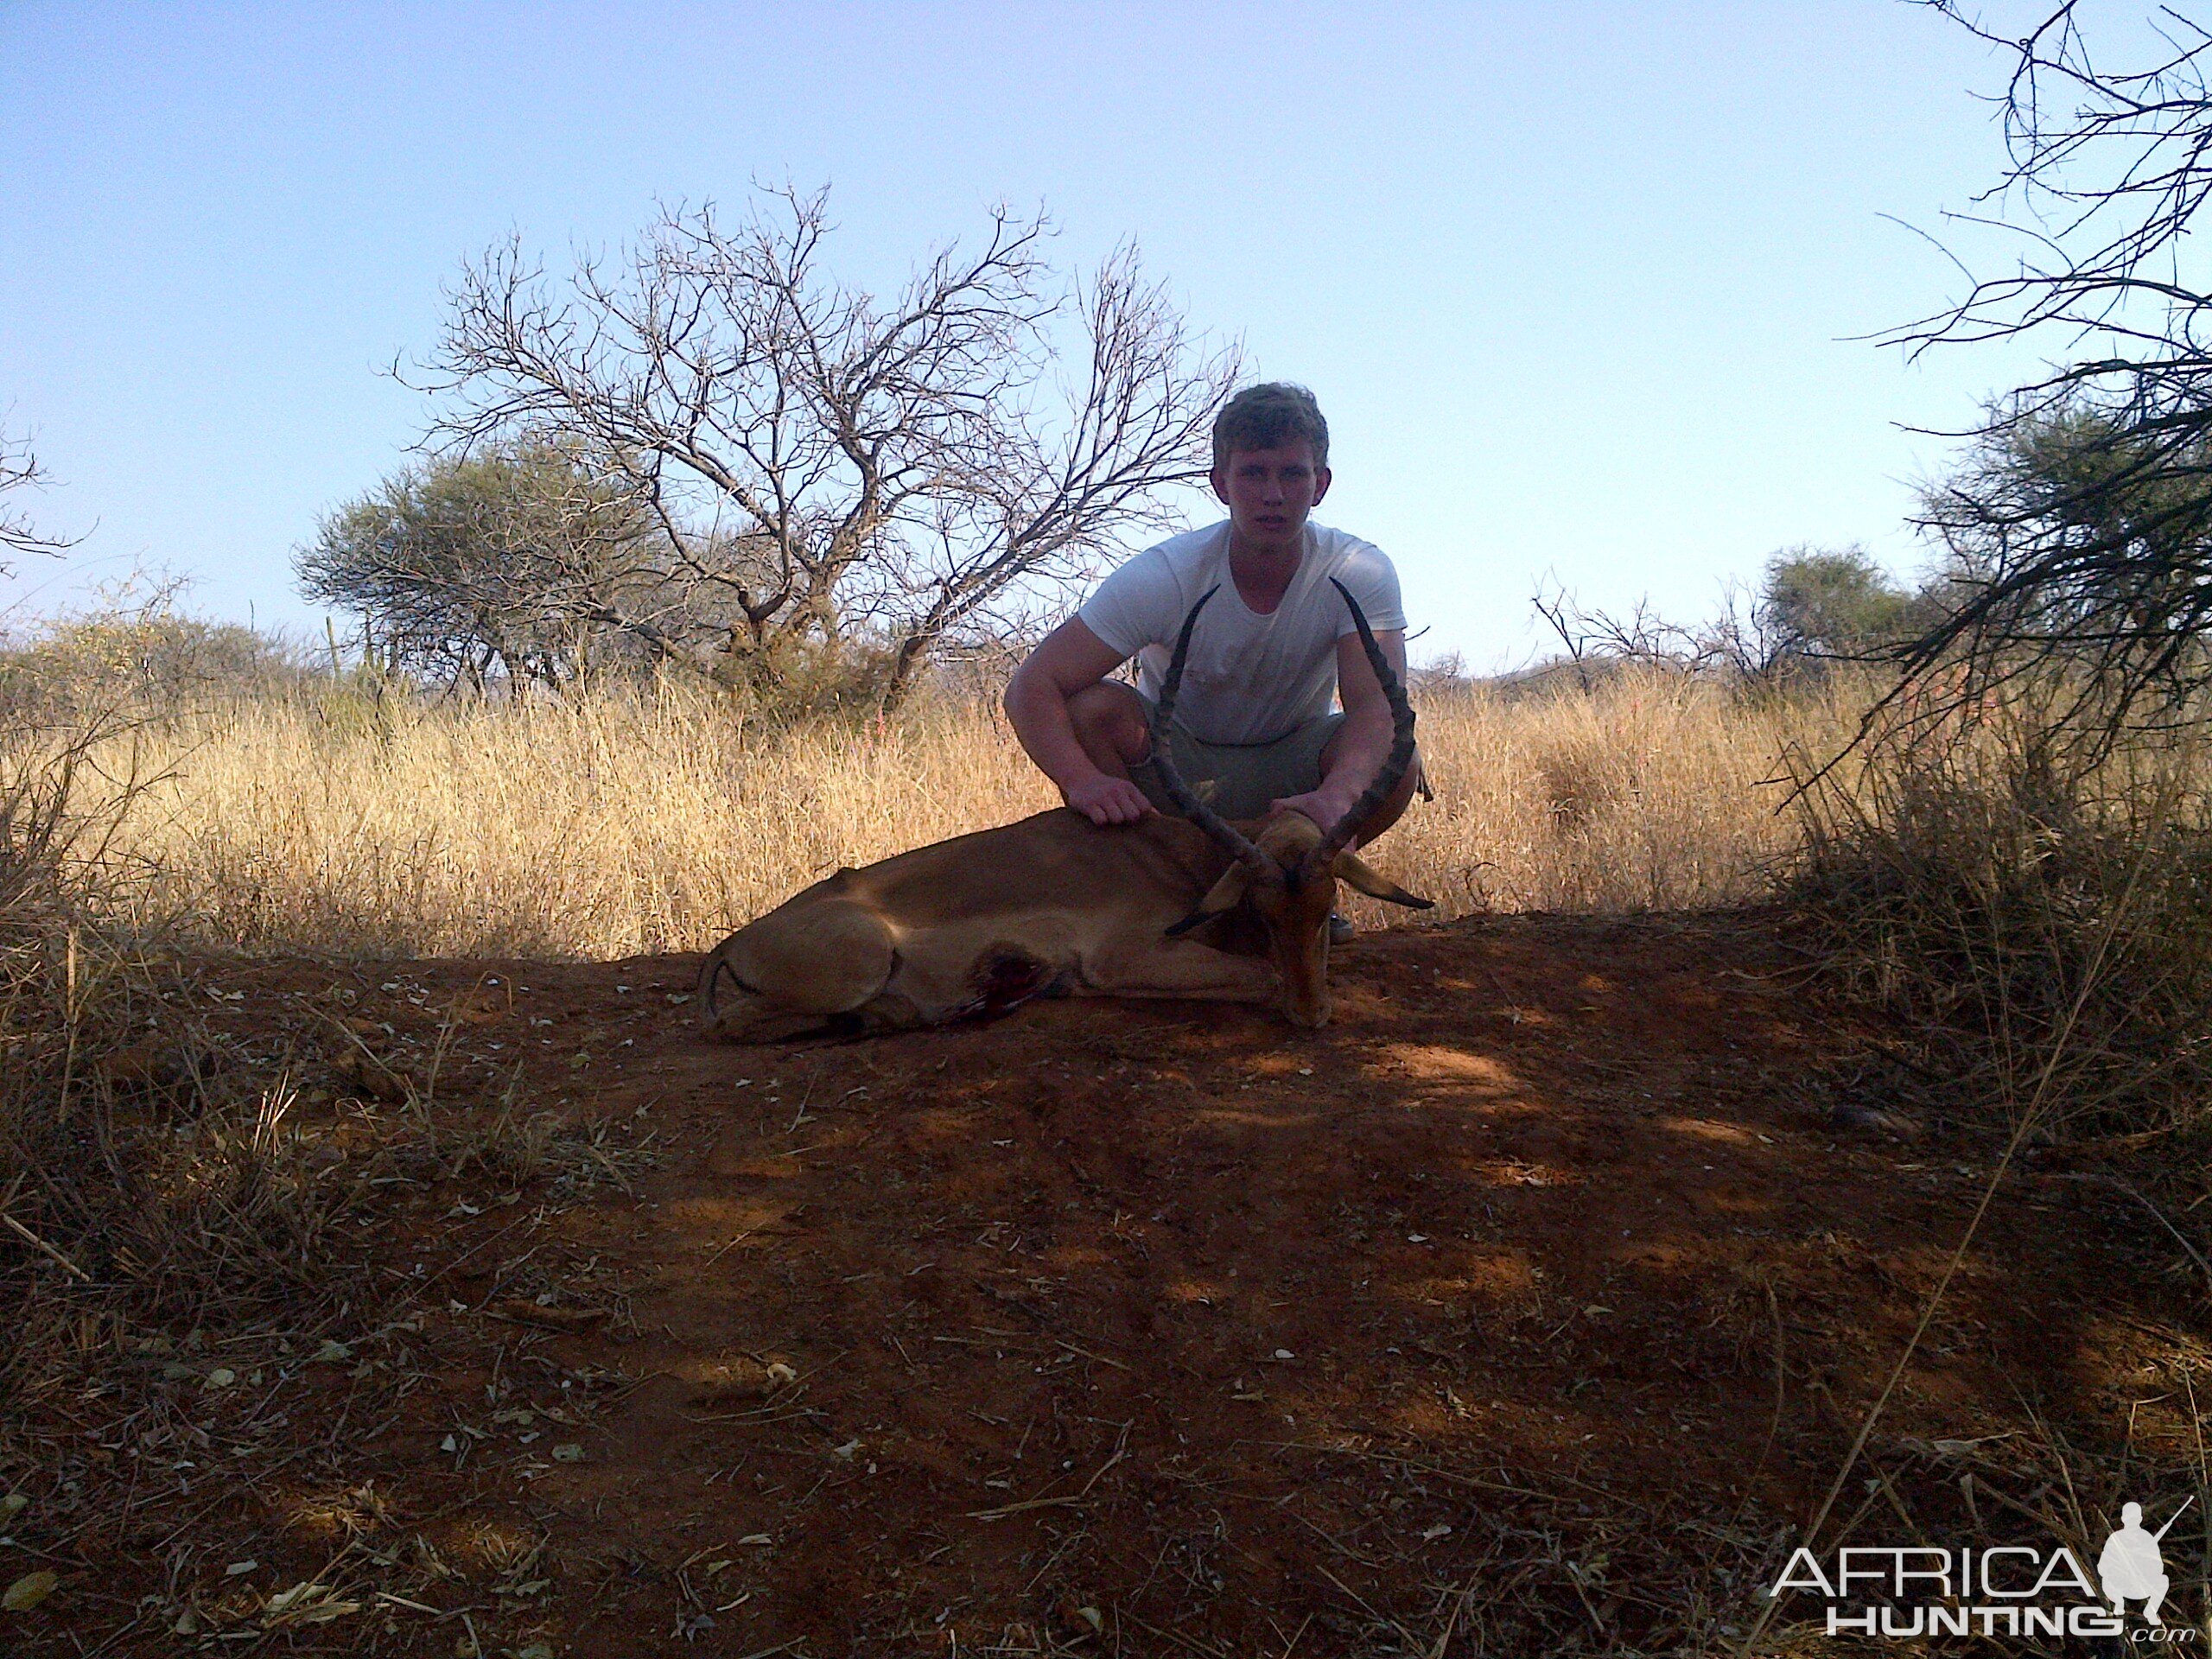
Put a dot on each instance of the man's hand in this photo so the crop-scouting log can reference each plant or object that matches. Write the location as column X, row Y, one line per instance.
column 1066, row 670
column 1324, row 805
column 1107, row 799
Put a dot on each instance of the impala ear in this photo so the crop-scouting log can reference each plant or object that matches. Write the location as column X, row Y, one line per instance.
column 1358, row 874
column 1225, row 896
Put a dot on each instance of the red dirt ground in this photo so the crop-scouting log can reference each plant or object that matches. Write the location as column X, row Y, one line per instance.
column 1142, row 1328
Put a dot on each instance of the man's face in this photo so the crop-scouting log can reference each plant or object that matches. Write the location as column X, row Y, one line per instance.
column 1269, row 491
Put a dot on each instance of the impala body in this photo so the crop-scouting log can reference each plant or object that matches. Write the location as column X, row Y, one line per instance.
column 1057, row 905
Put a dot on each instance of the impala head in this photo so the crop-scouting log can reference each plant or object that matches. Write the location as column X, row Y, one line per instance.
column 1288, row 871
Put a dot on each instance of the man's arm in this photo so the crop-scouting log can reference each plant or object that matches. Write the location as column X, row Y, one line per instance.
column 1363, row 742
column 1072, row 660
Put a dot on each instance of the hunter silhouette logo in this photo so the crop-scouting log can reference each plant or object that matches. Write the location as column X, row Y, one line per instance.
column 2130, row 1566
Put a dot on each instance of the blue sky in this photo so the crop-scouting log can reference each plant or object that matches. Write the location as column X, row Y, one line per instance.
column 1576, row 283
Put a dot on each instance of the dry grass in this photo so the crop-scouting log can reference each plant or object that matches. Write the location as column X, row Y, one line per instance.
column 1651, row 791
column 623, row 825
column 178, row 1217
column 182, row 1240
column 2015, row 907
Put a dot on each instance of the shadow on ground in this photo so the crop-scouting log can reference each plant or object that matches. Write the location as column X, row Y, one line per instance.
column 1530, row 1307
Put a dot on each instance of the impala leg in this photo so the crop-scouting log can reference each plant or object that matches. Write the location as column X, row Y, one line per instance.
column 1179, row 967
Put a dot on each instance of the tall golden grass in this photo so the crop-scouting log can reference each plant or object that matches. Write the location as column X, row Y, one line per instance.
column 628, row 823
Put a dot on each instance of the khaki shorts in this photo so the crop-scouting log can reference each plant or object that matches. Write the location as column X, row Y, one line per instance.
column 1238, row 779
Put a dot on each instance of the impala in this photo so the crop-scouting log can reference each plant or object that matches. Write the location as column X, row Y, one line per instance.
column 1194, row 907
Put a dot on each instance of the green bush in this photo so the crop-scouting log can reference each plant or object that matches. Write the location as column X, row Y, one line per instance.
column 143, row 660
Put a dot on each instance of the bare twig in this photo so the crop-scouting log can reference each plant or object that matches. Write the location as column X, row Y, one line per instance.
column 39, row 1244
column 1071, row 1501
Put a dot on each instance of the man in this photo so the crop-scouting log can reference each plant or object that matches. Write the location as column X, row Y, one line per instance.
column 1253, row 719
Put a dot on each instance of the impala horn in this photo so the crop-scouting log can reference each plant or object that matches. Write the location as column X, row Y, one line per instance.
column 1339, row 837
column 1262, row 867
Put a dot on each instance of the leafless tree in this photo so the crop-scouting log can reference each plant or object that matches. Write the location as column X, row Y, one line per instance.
column 20, row 470
column 2080, row 524
column 1741, row 641
column 903, row 467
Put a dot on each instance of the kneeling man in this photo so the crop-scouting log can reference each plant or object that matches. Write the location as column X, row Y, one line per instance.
column 1253, row 733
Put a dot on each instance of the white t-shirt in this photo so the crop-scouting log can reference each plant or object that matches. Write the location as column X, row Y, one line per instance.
column 1250, row 678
